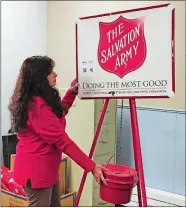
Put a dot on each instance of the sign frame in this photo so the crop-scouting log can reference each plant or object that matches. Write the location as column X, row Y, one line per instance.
column 128, row 11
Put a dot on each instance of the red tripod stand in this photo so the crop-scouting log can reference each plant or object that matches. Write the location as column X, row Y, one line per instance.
column 142, row 199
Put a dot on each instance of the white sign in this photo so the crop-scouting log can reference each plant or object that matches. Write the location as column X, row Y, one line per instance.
column 127, row 54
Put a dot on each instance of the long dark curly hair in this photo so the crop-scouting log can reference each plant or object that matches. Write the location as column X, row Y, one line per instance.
column 32, row 81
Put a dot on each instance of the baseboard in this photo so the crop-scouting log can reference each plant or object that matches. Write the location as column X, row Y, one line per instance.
column 156, row 198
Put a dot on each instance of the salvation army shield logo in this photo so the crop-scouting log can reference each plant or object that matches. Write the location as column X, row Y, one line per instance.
column 122, row 45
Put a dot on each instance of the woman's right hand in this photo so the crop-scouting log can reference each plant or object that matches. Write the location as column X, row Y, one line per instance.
column 98, row 174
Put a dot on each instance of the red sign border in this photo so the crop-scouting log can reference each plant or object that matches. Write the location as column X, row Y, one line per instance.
column 172, row 55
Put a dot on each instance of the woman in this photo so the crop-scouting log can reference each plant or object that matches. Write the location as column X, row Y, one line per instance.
column 38, row 117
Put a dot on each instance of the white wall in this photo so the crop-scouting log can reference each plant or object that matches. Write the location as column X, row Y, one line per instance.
column 23, row 34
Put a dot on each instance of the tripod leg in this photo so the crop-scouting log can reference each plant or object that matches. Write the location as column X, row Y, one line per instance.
column 142, row 199
column 92, row 150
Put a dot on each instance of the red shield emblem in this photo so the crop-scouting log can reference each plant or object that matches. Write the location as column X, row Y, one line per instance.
column 122, row 45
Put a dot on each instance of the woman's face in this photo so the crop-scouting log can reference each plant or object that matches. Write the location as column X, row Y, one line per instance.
column 52, row 79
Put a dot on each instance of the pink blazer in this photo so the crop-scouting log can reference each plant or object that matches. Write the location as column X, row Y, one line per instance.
column 41, row 143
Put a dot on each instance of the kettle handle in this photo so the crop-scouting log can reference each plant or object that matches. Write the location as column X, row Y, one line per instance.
column 124, row 160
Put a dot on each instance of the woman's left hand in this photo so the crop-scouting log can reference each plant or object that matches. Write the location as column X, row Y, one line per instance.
column 74, row 86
